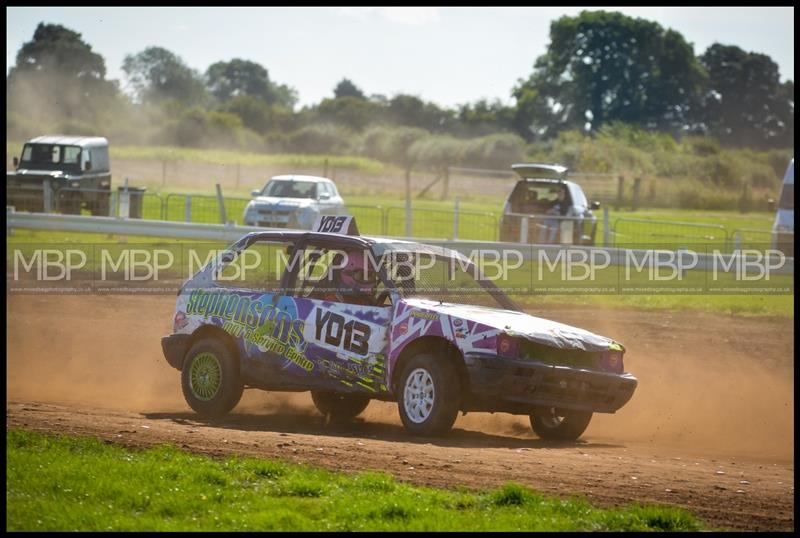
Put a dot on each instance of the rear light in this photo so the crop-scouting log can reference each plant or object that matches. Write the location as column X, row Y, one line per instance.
column 507, row 346
column 611, row 361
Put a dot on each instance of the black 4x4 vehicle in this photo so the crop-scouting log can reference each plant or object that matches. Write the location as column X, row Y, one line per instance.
column 76, row 166
column 556, row 210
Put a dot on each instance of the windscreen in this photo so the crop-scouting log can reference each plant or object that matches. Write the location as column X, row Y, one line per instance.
column 51, row 156
column 291, row 189
column 439, row 275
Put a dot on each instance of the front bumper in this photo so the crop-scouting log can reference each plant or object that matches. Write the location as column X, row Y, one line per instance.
column 175, row 347
column 535, row 384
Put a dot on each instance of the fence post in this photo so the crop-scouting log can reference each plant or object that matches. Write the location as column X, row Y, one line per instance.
column 606, row 226
column 446, row 185
column 112, row 204
column 523, row 230
column 221, row 202
column 409, row 226
column 620, row 191
column 187, row 211
column 47, row 195
column 455, row 220
column 637, row 185
column 125, row 201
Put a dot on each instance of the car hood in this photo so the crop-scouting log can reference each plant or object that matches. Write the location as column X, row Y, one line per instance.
column 282, row 203
column 544, row 331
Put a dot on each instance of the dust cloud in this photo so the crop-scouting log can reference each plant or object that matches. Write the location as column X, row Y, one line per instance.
column 709, row 385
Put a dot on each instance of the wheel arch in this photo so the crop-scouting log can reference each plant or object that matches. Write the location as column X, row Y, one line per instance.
column 431, row 344
column 212, row 331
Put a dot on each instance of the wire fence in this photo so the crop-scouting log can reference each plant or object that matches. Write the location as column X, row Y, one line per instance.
column 647, row 234
column 400, row 221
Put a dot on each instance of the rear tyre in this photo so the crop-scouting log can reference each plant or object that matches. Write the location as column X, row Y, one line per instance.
column 210, row 378
column 428, row 395
column 561, row 425
column 339, row 406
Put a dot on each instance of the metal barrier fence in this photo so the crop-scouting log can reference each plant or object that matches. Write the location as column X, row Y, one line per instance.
column 202, row 209
column 644, row 233
column 370, row 219
column 440, row 224
column 748, row 238
column 546, row 229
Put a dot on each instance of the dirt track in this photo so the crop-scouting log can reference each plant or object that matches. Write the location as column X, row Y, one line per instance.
column 715, row 394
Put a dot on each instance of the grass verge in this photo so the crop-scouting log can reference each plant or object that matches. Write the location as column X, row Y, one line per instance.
column 73, row 483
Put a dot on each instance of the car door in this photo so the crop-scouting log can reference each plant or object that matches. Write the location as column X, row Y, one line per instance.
column 346, row 342
column 246, row 298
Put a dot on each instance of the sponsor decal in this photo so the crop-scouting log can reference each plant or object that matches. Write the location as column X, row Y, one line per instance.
column 335, row 330
column 460, row 333
column 255, row 320
column 403, row 328
column 457, row 322
column 426, row 315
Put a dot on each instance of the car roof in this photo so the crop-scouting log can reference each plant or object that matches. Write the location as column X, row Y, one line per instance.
column 299, row 177
column 65, row 140
column 546, row 181
column 527, row 170
column 346, row 240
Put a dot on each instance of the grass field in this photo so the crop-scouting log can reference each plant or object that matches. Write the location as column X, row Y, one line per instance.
column 81, row 484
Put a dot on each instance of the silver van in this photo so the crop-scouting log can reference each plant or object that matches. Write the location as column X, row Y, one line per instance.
column 783, row 229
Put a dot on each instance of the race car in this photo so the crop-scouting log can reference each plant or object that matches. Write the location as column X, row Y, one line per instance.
column 353, row 318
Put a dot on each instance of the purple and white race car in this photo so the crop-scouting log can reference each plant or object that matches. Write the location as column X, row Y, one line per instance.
column 355, row 318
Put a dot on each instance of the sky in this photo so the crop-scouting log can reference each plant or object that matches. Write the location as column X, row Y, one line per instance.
column 446, row 55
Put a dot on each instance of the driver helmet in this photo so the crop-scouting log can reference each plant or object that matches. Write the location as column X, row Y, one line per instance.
column 354, row 274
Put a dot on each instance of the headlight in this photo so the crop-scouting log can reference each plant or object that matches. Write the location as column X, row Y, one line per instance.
column 307, row 215
column 611, row 359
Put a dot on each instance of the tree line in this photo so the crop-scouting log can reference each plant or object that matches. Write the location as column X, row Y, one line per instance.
column 600, row 69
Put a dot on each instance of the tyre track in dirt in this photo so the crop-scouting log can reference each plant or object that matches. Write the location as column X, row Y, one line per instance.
column 715, row 396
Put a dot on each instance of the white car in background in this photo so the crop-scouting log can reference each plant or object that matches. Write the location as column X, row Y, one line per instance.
column 294, row 202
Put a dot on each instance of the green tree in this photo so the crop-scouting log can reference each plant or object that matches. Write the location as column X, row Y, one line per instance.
column 57, row 76
column 412, row 111
column 746, row 104
column 484, row 117
column 346, row 88
column 238, row 78
column 156, row 75
column 226, row 80
column 259, row 116
column 605, row 66
column 350, row 111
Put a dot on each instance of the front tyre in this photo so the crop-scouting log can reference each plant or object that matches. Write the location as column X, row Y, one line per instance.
column 210, row 378
column 428, row 395
column 339, row 406
column 561, row 425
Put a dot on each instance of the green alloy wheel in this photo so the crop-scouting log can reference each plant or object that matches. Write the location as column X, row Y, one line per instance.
column 210, row 377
